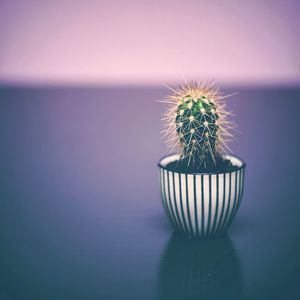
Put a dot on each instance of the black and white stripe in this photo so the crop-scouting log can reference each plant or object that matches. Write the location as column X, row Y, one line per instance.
column 201, row 205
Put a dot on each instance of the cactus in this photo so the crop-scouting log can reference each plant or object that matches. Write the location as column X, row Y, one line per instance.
column 197, row 125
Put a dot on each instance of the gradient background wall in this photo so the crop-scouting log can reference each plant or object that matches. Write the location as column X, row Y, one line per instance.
column 148, row 42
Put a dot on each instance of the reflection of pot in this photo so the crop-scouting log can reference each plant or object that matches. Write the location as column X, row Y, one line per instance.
column 193, row 269
column 201, row 204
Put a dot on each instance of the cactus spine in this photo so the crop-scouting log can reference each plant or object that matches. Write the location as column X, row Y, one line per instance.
column 197, row 124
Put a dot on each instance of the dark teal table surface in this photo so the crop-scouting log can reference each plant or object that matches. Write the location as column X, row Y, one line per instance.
column 80, row 210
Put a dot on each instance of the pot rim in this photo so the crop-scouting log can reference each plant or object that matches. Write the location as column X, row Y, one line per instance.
column 174, row 156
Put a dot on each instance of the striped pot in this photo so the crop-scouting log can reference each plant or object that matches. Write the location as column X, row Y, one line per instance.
column 201, row 205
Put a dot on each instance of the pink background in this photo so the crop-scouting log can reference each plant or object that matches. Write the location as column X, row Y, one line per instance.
column 149, row 42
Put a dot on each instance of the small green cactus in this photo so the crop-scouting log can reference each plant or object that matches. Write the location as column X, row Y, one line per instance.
column 197, row 125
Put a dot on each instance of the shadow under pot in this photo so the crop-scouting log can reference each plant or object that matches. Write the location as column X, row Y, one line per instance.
column 201, row 205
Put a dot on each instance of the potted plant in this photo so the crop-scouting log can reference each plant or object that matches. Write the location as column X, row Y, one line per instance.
column 201, row 186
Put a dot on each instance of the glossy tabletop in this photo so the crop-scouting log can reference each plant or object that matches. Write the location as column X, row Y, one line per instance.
column 80, row 210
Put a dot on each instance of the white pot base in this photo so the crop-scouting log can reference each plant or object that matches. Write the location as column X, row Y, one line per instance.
column 201, row 205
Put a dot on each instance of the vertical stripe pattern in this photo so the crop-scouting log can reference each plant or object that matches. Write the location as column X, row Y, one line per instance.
column 201, row 205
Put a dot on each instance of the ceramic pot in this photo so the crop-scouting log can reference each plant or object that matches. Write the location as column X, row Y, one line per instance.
column 201, row 205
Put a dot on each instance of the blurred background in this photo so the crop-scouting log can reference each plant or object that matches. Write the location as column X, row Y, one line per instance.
column 149, row 41
column 80, row 209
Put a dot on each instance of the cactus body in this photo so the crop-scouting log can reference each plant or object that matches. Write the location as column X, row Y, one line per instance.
column 197, row 124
